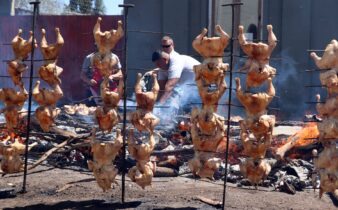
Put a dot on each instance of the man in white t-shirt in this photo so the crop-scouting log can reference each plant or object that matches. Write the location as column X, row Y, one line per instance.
column 174, row 71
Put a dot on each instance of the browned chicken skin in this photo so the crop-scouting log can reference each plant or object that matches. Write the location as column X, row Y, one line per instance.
column 104, row 154
column 328, row 129
column 259, row 52
column 106, row 118
column 46, row 97
column 329, row 79
column 146, row 100
column 21, row 47
column 330, row 57
column 329, row 108
column 12, row 98
column 255, row 170
column 10, row 150
column 51, row 52
column 110, row 98
column 211, row 46
column 15, row 70
column 105, row 63
column 45, row 116
column 13, row 116
column 204, row 164
column 144, row 120
column 107, row 40
column 50, row 73
column 255, row 104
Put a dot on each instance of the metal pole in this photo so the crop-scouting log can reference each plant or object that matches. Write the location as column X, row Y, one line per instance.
column 230, row 95
column 35, row 9
column 125, row 9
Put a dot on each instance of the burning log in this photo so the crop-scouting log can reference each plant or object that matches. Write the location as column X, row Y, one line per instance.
column 305, row 136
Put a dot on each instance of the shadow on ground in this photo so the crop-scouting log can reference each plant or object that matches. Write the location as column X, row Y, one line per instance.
column 89, row 204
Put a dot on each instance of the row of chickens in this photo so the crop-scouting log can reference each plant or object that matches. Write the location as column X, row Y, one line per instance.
column 326, row 162
column 257, row 128
column 11, row 149
column 207, row 127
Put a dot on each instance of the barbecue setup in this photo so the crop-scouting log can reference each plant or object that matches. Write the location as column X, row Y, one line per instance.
column 115, row 139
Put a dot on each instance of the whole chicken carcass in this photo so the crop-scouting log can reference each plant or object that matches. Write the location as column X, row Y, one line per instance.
column 328, row 181
column 13, row 116
column 50, row 73
column 105, row 63
column 328, row 158
column 104, row 153
column 208, row 121
column 22, row 47
column 211, row 46
column 46, row 97
column 329, row 79
column 259, row 52
column 146, row 100
column 260, row 127
column 10, row 150
column 110, row 98
column 329, row 108
column 328, row 129
column 106, row 40
column 255, row 170
column 106, row 118
column 254, row 148
column 12, row 98
column 104, row 174
column 139, row 150
column 211, row 93
column 255, row 103
column 51, row 52
column 257, row 73
column 144, row 120
column 330, row 57
column 142, row 173
column 204, row 164
column 45, row 116
column 15, row 70
column 210, row 72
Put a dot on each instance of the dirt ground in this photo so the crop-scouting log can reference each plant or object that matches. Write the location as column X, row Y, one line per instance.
column 54, row 188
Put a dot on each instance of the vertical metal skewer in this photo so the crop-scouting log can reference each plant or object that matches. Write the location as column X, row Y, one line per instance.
column 125, row 9
column 230, row 91
column 35, row 10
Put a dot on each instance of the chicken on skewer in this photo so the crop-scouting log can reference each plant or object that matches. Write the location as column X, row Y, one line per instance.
column 146, row 100
column 45, row 97
column 22, row 47
column 110, row 98
column 51, row 52
column 329, row 59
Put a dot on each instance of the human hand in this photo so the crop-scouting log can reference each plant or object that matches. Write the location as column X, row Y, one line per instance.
column 92, row 82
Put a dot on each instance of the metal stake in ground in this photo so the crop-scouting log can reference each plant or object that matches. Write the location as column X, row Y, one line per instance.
column 125, row 10
column 229, row 107
column 35, row 10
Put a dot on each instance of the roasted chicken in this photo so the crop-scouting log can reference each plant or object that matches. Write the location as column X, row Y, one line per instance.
column 105, row 63
column 329, row 79
column 51, row 52
column 257, row 73
column 253, row 147
column 208, row 122
column 144, row 120
column 329, row 59
column 106, row 118
column 15, row 70
column 204, row 164
column 50, row 73
column 45, row 116
column 106, row 40
column 211, row 46
column 110, row 98
column 22, row 47
column 328, row 129
column 10, row 150
column 139, row 150
column 329, row 108
column 255, row 103
column 210, row 73
column 12, row 98
column 46, row 97
column 146, row 100
column 142, row 173
column 80, row 109
column 104, row 154
column 255, row 170
column 260, row 127
column 13, row 116
column 259, row 52
column 211, row 93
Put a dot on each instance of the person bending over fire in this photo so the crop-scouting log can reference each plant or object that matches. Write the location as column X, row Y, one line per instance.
column 93, row 78
column 173, row 72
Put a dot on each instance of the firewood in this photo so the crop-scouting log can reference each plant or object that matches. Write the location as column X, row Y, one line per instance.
column 209, row 201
